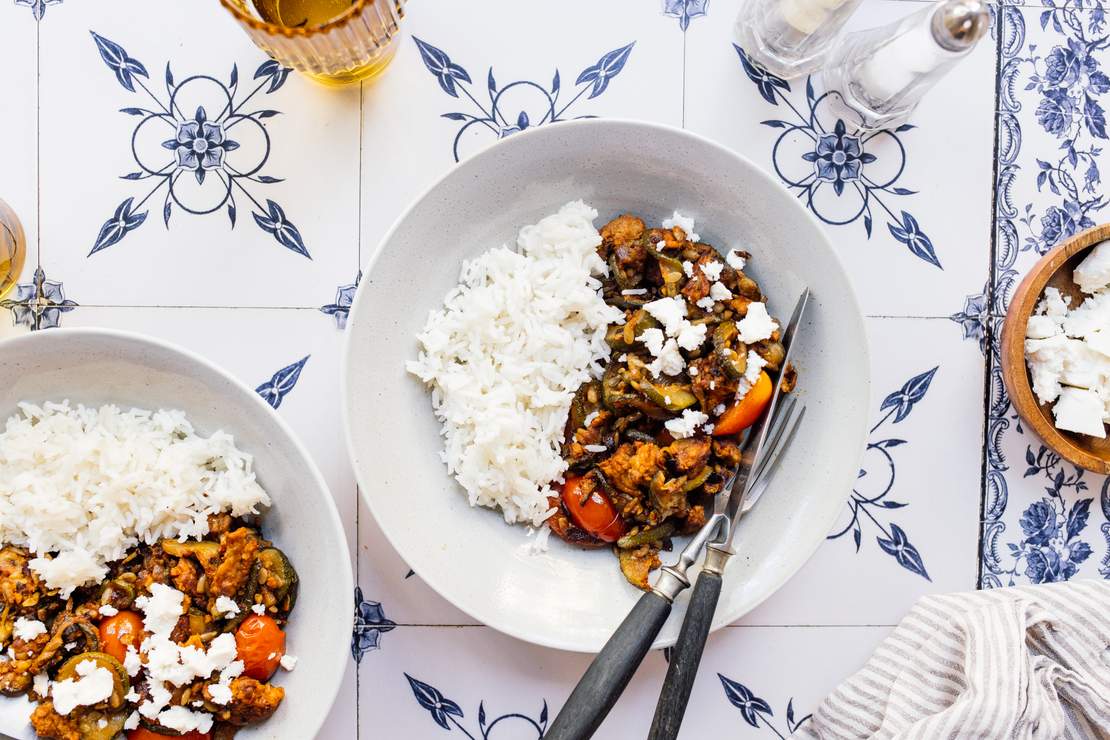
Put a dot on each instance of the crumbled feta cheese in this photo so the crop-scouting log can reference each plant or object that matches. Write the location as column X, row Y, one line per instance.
column 132, row 662
column 691, row 336
column 1093, row 273
column 1093, row 314
column 1041, row 327
column 653, row 339
column 132, row 696
column 634, row 291
column 288, row 662
column 185, row 720
column 754, row 366
column 719, row 409
column 757, row 325
column 92, row 685
column 706, row 303
column 688, row 268
column 693, row 371
column 1054, row 305
column 162, row 608
column 219, row 693
column 41, row 684
column 1099, row 341
column 708, row 428
column 594, row 448
column 260, row 610
column 132, row 721
column 28, row 629
column 70, row 645
column 712, row 270
column 1080, row 410
column 227, row 606
column 735, row 260
column 719, row 292
column 669, row 360
column 686, row 425
column 683, row 222
column 107, row 610
column 623, row 357
column 670, row 312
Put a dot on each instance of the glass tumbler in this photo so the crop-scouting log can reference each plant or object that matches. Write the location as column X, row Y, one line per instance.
column 13, row 249
column 357, row 44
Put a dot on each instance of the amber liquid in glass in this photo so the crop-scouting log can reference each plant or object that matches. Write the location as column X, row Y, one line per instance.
column 13, row 250
column 300, row 13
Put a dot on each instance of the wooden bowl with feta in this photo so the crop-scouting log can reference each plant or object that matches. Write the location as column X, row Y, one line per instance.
column 1056, row 349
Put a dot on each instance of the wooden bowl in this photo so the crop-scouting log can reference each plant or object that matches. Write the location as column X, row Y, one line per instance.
column 1054, row 270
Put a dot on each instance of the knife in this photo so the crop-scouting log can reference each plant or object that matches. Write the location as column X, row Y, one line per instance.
column 611, row 670
column 687, row 652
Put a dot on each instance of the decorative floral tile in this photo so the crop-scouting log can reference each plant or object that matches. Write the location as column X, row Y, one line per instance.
column 1043, row 519
column 741, row 691
column 910, row 525
column 187, row 168
column 463, row 92
column 908, row 210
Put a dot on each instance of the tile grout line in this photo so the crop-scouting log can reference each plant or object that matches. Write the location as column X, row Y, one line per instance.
column 988, row 329
column 358, row 268
column 684, row 77
column 38, row 144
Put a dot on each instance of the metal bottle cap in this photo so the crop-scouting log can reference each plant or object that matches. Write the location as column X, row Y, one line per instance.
column 958, row 24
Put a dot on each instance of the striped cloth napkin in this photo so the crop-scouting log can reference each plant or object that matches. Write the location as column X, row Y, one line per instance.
column 1024, row 662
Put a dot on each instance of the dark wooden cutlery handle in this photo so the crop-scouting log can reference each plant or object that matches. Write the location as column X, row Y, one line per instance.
column 685, row 658
column 610, row 672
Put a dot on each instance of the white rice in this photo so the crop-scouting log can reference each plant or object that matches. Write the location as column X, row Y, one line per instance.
column 514, row 341
column 81, row 486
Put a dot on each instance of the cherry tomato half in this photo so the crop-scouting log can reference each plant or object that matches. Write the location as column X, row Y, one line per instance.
column 260, row 644
column 590, row 508
column 747, row 410
column 118, row 631
column 141, row 733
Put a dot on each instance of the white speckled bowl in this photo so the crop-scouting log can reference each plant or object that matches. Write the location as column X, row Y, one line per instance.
column 570, row 598
column 93, row 367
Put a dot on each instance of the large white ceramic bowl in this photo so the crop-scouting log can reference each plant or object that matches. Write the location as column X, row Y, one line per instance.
column 570, row 598
column 94, row 366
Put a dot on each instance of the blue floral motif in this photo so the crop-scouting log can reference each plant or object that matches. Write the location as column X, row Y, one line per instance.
column 518, row 105
column 344, row 297
column 169, row 142
column 1051, row 548
column 370, row 624
column 38, row 7
column 685, row 10
column 274, row 390
column 974, row 317
column 756, row 711
column 447, row 714
column 825, row 159
column 1104, row 498
column 38, row 304
column 869, row 503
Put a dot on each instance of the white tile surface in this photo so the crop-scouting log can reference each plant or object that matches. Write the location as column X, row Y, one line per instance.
column 89, row 145
column 946, row 159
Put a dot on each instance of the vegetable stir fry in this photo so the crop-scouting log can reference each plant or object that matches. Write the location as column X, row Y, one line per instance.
column 221, row 603
column 650, row 443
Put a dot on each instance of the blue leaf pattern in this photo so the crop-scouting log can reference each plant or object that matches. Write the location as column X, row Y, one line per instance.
column 275, row 222
column 902, row 401
column 436, row 703
column 277, row 387
column 685, row 10
column 115, row 228
column 503, row 116
column 119, row 62
column 38, row 7
column 751, row 707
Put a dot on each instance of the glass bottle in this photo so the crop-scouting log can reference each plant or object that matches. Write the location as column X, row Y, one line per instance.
column 882, row 73
column 790, row 38
column 13, row 249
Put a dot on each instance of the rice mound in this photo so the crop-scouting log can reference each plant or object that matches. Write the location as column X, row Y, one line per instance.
column 505, row 355
column 81, row 486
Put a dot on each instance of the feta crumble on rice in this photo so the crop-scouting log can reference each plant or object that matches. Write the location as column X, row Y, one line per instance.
column 81, row 486
column 504, row 356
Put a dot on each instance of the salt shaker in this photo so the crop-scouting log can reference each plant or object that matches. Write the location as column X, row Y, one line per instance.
column 790, row 38
column 882, row 73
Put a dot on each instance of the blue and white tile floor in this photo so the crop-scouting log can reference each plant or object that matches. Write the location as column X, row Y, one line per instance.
column 251, row 255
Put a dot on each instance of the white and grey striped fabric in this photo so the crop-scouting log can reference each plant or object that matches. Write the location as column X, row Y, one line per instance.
column 1024, row 662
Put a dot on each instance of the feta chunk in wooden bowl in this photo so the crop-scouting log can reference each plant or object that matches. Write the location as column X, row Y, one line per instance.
column 1055, row 349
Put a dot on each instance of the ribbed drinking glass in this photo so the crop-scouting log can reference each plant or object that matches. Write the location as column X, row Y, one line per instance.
column 333, row 45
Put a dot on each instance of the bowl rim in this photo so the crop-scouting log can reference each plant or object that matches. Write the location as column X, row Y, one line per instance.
column 336, row 674
column 768, row 181
column 1015, row 372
